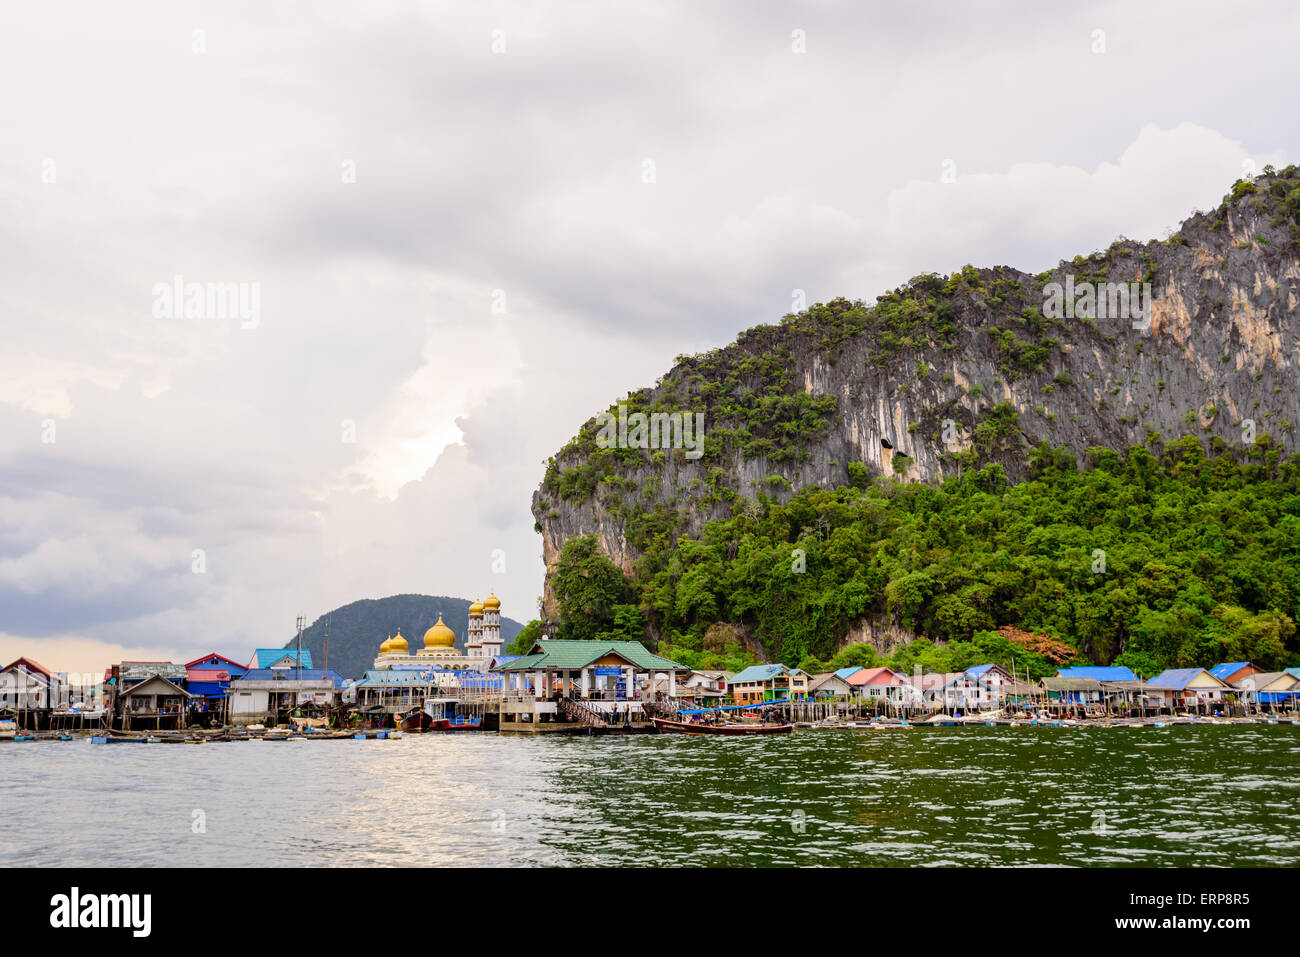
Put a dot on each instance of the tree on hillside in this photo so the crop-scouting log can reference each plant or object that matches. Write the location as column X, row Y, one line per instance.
column 588, row 588
column 524, row 640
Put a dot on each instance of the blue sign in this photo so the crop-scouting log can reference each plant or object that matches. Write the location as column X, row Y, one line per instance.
column 608, row 672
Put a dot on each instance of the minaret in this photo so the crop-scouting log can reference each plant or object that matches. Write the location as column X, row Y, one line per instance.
column 474, row 631
column 491, row 639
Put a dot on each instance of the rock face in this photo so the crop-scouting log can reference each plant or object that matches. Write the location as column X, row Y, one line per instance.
column 948, row 373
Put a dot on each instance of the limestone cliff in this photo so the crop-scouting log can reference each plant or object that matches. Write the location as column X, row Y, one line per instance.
column 946, row 373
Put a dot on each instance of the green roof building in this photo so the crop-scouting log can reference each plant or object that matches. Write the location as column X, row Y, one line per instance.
column 589, row 670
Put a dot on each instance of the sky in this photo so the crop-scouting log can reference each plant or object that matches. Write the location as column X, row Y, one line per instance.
column 460, row 230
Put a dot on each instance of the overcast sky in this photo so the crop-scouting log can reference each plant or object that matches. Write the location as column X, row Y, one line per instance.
column 382, row 174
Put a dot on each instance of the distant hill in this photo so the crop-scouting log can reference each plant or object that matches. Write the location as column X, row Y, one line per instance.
column 356, row 630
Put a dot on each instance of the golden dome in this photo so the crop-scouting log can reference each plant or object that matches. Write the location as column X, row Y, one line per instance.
column 386, row 645
column 398, row 645
column 439, row 636
column 476, row 608
column 492, row 602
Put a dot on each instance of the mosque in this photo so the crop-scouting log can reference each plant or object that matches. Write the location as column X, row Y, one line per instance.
column 482, row 644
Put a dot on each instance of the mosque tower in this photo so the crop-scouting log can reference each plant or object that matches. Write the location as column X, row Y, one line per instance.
column 474, row 632
column 491, row 627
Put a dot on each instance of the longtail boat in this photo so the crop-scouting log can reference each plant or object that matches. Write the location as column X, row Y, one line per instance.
column 667, row 726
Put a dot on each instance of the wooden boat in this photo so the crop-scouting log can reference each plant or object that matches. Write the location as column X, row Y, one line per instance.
column 443, row 718
column 666, row 726
column 416, row 722
column 458, row 722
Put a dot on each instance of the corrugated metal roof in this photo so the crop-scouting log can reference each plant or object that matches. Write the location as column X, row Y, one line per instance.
column 1080, row 683
column 978, row 671
column 1227, row 668
column 219, row 661
column 933, row 682
column 140, row 670
column 1262, row 680
column 570, row 655
column 1110, row 673
column 269, row 656
column 206, row 674
column 1176, row 679
column 759, row 673
column 874, row 676
column 156, row 685
column 817, row 681
column 35, row 666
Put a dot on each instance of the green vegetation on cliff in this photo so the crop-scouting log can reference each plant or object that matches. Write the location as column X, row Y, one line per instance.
column 1153, row 560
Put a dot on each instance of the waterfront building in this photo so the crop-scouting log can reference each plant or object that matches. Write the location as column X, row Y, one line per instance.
column 883, row 683
column 483, row 644
column 952, row 689
column 828, row 684
column 267, row 694
column 699, row 686
column 153, row 696
column 208, row 679
column 399, row 690
column 154, row 701
column 1232, row 672
column 1073, row 689
column 992, row 677
column 1269, row 688
column 760, row 683
column 561, row 681
column 592, row 670
column 1186, row 687
column 28, row 686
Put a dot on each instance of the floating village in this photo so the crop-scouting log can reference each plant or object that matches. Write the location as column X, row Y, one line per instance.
column 595, row 687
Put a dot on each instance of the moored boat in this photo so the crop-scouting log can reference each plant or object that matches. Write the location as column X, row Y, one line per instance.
column 442, row 716
column 458, row 722
column 667, row 726
column 416, row 722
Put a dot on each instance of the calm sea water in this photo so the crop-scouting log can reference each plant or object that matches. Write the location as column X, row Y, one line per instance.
column 965, row 796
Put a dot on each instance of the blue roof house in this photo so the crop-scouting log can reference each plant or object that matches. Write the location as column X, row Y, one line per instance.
column 1186, row 687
